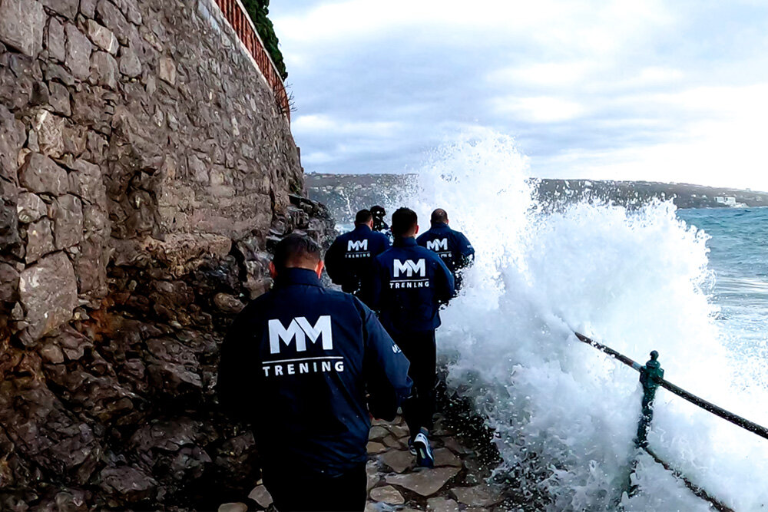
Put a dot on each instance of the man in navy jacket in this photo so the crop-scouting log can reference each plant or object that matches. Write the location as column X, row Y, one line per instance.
column 452, row 246
column 412, row 283
column 296, row 364
column 349, row 261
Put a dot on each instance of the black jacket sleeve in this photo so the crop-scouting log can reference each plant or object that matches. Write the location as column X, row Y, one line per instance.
column 465, row 254
column 385, row 369
column 445, row 287
column 377, row 288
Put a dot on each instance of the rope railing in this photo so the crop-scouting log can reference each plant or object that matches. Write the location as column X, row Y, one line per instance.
column 677, row 390
column 652, row 377
column 241, row 23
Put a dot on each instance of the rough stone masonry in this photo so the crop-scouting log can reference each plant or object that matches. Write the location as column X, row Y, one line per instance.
column 145, row 173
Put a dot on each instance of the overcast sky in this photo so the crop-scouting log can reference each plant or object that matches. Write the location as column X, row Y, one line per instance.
column 673, row 90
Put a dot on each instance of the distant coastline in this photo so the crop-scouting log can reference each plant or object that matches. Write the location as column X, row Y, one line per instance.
column 346, row 193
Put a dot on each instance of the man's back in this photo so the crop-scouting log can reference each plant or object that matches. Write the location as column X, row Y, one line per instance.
column 349, row 261
column 451, row 245
column 410, row 285
column 296, row 363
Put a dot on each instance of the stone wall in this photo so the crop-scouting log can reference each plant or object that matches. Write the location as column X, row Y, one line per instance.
column 145, row 173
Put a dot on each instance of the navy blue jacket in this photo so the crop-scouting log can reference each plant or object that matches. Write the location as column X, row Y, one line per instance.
column 411, row 284
column 349, row 260
column 297, row 362
column 452, row 246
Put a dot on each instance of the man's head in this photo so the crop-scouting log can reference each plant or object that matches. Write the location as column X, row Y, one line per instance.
column 364, row 217
column 296, row 251
column 405, row 223
column 378, row 211
column 439, row 215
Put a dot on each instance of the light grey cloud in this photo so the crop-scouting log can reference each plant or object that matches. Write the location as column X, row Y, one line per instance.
column 675, row 91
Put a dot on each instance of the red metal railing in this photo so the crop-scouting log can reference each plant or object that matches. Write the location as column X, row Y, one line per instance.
column 240, row 21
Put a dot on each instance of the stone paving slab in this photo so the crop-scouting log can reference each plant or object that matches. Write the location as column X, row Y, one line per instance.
column 395, row 484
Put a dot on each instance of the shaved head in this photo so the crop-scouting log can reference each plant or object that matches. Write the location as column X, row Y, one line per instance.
column 439, row 215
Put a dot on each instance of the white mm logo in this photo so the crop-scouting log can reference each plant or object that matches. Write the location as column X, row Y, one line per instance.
column 300, row 329
column 354, row 245
column 437, row 245
column 409, row 268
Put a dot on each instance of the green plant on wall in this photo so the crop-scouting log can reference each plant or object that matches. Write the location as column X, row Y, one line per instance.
column 258, row 11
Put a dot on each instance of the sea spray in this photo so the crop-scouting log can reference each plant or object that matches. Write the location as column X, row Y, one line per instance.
column 565, row 415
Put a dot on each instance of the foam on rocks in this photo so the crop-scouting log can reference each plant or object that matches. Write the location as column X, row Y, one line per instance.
column 145, row 174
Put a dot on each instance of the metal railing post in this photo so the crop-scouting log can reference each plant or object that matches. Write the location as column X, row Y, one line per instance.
column 650, row 375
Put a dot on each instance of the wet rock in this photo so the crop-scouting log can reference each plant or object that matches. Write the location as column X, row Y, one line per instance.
column 372, row 475
column 91, row 267
column 374, row 448
column 49, row 132
column 85, row 181
column 477, row 496
column 130, row 65
column 88, row 8
column 387, row 494
column 42, row 176
column 399, row 431
column 12, row 135
column 392, row 442
column 59, row 99
column 102, row 37
column 456, row 447
column 424, row 483
column 113, row 19
column 228, row 304
column 72, row 343
column 48, row 291
column 261, row 496
column 56, row 40
column 45, row 433
column 442, row 505
column 30, row 208
column 127, row 483
column 78, row 52
column 377, row 432
column 445, row 457
column 398, row 460
column 167, row 71
column 104, row 70
column 52, row 353
column 40, row 240
column 233, row 507
column 67, row 215
column 172, row 379
column 9, row 283
column 67, row 8
column 21, row 25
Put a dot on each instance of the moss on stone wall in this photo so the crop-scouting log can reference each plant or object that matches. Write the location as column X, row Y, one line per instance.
column 259, row 11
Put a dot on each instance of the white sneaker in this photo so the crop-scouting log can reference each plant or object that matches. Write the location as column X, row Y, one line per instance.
column 424, row 457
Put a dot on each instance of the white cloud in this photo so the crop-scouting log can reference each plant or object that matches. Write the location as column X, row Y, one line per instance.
column 540, row 109
column 548, row 74
column 320, row 123
column 597, row 88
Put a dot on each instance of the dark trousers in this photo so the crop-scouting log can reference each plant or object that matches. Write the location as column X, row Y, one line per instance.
column 421, row 351
column 317, row 493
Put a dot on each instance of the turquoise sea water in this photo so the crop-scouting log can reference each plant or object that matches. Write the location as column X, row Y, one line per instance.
column 739, row 260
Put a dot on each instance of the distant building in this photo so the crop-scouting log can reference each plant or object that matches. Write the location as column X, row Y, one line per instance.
column 727, row 201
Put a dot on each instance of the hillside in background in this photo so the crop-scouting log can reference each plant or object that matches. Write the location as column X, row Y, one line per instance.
column 345, row 194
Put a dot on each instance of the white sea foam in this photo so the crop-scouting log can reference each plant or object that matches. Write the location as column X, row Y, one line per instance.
column 565, row 414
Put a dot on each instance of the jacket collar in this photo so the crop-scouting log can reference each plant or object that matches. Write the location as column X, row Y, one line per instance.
column 439, row 225
column 362, row 228
column 301, row 276
column 405, row 242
